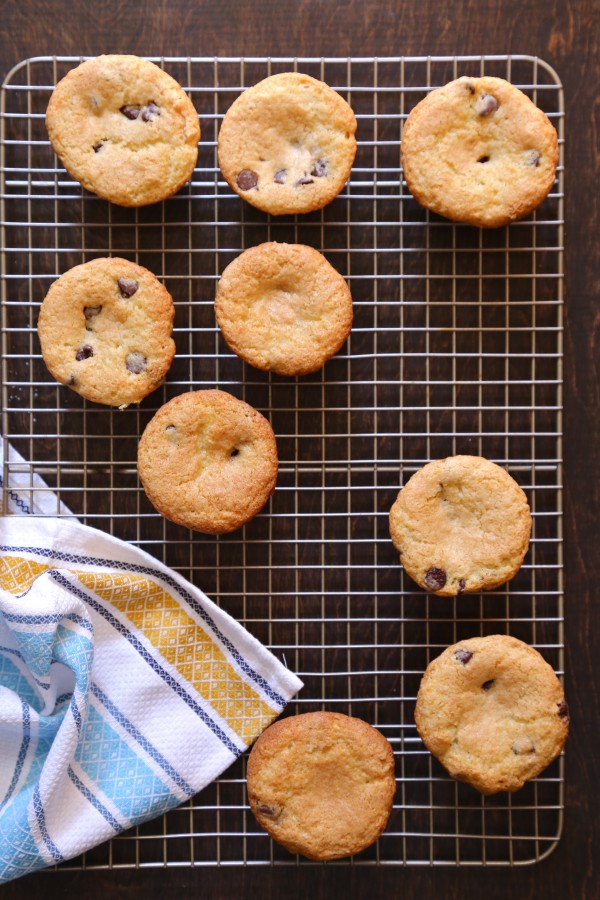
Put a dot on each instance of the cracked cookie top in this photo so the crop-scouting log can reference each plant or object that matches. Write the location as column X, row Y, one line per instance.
column 461, row 525
column 479, row 151
column 124, row 129
column 287, row 144
column 493, row 712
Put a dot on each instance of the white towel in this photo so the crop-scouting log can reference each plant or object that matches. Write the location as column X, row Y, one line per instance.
column 123, row 689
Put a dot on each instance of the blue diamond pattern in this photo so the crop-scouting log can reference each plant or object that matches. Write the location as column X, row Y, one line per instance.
column 114, row 766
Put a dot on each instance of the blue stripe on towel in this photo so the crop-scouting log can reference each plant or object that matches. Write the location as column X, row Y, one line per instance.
column 96, row 803
column 22, row 752
column 19, row 852
column 120, row 774
column 141, row 740
column 41, row 820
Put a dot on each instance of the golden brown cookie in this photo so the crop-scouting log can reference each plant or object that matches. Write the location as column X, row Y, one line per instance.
column 493, row 712
column 479, row 151
column 208, row 461
column 461, row 524
column 105, row 330
column 287, row 144
column 283, row 308
column 124, row 129
column 322, row 784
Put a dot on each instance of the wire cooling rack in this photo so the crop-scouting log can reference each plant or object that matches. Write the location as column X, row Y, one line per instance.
column 456, row 348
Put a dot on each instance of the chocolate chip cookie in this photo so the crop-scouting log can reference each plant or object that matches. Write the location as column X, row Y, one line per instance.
column 287, row 144
column 124, row 129
column 493, row 712
column 208, row 461
column 283, row 308
column 461, row 524
column 105, row 331
column 322, row 784
column 479, row 151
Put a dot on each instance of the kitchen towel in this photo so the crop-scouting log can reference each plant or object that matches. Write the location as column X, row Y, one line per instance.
column 124, row 690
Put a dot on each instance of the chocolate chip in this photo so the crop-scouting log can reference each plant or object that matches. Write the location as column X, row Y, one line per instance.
column 483, row 159
column 470, row 87
column 319, row 168
column 130, row 112
column 234, row 452
column 247, row 179
column 563, row 709
column 72, row 380
column 461, row 586
column 463, row 656
column 270, row 810
column 304, row 180
column 522, row 746
column 533, row 158
column 98, row 147
column 487, row 684
column 84, row 352
column 127, row 286
column 136, row 362
column 487, row 105
column 90, row 312
column 435, row 579
column 150, row 112
column 280, row 176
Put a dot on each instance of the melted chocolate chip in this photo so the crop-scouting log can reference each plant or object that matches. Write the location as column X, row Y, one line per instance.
column 487, row 105
column 563, row 709
column 470, row 87
column 533, row 158
column 234, row 452
column 149, row 112
column 247, row 179
column 84, row 352
column 280, row 176
column 127, row 286
column 487, row 684
column 266, row 809
column 98, row 147
column 463, row 656
column 130, row 112
column 90, row 312
column 136, row 362
column 72, row 380
column 304, row 180
column 435, row 578
column 461, row 586
column 523, row 746
column 319, row 168
column 483, row 159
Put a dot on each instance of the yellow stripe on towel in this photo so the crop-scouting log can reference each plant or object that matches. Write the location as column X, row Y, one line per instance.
column 18, row 574
column 186, row 646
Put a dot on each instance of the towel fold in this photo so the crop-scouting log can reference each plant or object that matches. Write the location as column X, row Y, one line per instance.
column 123, row 690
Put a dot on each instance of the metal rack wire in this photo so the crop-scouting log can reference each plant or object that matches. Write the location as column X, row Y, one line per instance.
column 456, row 348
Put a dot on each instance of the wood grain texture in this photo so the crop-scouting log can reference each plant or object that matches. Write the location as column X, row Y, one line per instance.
column 566, row 34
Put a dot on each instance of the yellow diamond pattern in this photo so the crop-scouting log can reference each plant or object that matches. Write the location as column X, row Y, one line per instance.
column 18, row 574
column 186, row 646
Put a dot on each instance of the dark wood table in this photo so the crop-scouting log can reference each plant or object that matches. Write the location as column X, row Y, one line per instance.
column 567, row 35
